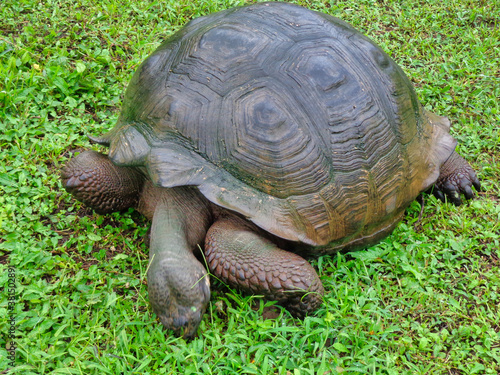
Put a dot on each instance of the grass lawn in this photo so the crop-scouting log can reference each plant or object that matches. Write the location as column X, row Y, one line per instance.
column 426, row 300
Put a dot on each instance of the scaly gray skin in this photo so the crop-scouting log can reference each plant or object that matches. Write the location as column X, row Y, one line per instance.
column 236, row 250
column 456, row 177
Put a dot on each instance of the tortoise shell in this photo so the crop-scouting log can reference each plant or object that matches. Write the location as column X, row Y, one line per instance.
column 286, row 116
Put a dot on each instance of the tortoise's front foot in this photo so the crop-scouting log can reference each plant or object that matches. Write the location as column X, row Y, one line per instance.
column 456, row 177
column 178, row 295
column 94, row 180
column 238, row 254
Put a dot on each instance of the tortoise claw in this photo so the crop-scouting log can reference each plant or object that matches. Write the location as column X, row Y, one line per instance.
column 438, row 194
column 457, row 177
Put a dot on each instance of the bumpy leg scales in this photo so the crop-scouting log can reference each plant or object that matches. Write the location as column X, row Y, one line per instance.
column 95, row 181
column 240, row 256
column 456, row 177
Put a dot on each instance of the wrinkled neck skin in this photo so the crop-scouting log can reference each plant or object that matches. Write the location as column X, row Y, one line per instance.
column 190, row 211
column 178, row 286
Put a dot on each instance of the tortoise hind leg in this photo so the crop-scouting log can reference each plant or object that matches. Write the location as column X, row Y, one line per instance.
column 98, row 183
column 240, row 256
column 456, row 176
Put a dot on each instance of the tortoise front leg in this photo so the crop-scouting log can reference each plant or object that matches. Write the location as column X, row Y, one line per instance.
column 94, row 180
column 238, row 254
column 178, row 285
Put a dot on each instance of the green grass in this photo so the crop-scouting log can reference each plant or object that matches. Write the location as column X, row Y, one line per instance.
column 424, row 301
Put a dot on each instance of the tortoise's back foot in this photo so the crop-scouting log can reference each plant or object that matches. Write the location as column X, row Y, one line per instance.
column 94, row 180
column 456, row 177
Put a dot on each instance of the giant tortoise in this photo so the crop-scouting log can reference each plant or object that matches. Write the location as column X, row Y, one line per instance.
column 258, row 132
